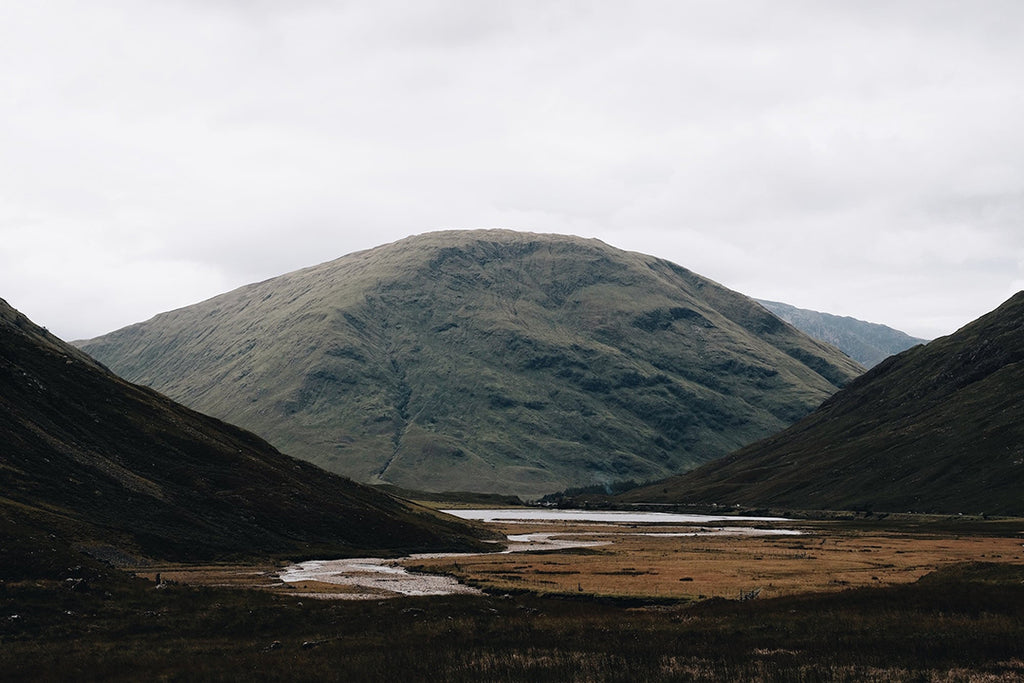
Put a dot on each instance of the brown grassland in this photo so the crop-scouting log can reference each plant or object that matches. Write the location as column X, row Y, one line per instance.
column 640, row 562
column 681, row 563
column 915, row 599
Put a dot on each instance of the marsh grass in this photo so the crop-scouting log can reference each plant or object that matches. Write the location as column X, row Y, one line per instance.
column 965, row 622
column 827, row 557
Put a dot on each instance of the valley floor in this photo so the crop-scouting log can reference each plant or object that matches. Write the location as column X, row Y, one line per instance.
column 661, row 562
column 733, row 560
column 926, row 600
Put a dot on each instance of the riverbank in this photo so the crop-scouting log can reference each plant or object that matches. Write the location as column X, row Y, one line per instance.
column 726, row 557
column 962, row 623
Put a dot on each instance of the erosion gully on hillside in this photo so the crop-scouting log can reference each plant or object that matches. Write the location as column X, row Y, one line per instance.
column 491, row 361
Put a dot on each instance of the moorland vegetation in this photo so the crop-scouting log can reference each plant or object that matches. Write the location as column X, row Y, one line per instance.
column 936, row 428
column 492, row 360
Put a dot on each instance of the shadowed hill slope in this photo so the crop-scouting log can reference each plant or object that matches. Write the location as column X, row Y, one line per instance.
column 867, row 343
column 937, row 428
column 91, row 462
column 487, row 360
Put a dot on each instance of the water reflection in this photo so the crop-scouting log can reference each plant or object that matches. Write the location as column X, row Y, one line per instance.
column 368, row 578
column 608, row 516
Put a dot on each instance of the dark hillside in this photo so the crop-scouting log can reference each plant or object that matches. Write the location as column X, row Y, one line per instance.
column 488, row 360
column 91, row 462
column 937, row 428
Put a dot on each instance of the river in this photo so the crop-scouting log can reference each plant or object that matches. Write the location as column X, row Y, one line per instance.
column 599, row 516
column 372, row 578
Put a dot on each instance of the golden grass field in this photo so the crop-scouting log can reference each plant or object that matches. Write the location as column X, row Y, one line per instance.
column 840, row 602
column 827, row 556
column 656, row 561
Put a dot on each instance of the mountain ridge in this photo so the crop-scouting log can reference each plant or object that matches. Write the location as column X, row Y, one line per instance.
column 490, row 360
column 867, row 343
column 91, row 463
column 935, row 428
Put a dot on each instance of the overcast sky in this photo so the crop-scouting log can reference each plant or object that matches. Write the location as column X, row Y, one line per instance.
column 861, row 158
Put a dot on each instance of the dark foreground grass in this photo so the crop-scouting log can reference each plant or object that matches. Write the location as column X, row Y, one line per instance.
column 963, row 623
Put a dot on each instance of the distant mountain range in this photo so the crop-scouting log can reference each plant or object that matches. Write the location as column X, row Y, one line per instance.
column 490, row 360
column 92, row 464
column 937, row 428
column 866, row 343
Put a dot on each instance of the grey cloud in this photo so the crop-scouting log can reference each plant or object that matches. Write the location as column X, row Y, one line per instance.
column 862, row 158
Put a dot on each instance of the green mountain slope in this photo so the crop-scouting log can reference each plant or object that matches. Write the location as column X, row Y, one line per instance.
column 867, row 343
column 487, row 360
column 937, row 428
column 90, row 462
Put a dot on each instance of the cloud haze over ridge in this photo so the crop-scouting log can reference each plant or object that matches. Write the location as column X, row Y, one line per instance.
column 863, row 159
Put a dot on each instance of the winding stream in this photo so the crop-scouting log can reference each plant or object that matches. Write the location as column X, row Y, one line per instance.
column 372, row 578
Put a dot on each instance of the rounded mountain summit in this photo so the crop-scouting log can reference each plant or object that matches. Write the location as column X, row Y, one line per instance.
column 487, row 360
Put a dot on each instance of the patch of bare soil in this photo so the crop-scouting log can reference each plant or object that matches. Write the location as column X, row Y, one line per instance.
column 219, row 575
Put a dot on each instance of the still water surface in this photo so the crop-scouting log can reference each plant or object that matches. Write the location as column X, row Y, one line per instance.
column 610, row 516
column 372, row 578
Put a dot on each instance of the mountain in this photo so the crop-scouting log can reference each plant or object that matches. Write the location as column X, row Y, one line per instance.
column 90, row 463
column 937, row 428
column 490, row 360
column 866, row 343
